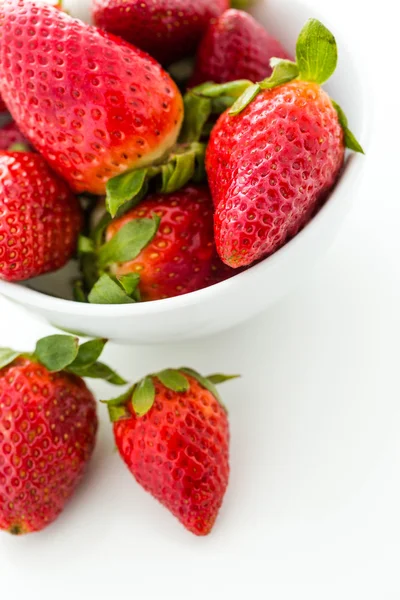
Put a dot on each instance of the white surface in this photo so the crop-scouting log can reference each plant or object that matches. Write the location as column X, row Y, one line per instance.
column 217, row 308
column 313, row 507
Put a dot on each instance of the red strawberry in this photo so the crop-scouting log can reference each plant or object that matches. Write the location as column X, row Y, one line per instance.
column 3, row 107
column 181, row 256
column 48, row 428
column 11, row 135
column 235, row 47
column 166, row 29
column 40, row 218
column 173, row 434
column 271, row 161
column 93, row 105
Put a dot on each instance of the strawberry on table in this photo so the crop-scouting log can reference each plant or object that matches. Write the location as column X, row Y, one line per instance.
column 93, row 105
column 235, row 46
column 173, row 434
column 48, row 427
column 165, row 246
column 274, row 156
column 166, row 29
column 40, row 218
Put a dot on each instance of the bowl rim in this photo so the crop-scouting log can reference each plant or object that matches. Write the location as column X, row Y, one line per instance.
column 19, row 293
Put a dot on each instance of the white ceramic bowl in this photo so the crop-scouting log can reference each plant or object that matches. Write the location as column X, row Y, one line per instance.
column 228, row 303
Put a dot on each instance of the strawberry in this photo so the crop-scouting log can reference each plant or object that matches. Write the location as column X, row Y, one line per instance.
column 274, row 156
column 173, row 434
column 93, row 105
column 40, row 218
column 166, row 29
column 235, row 47
column 48, row 428
column 10, row 135
column 3, row 107
column 176, row 254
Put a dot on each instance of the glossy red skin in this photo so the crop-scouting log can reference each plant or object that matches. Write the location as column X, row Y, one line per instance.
column 269, row 167
column 10, row 135
column 93, row 105
column 182, row 256
column 167, row 29
column 40, row 218
column 179, row 452
column 48, row 428
column 236, row 46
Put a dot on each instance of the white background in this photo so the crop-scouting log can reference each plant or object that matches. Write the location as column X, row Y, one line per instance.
column 313, row 507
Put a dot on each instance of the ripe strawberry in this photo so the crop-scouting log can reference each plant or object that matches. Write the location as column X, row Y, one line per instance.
column 93, row 105
column 178, row 257
column 235, row 47
column 48, row 428
column 173, row 434
column 166, row 29
column 11, row 135
column 40, row 218
column 272, row 159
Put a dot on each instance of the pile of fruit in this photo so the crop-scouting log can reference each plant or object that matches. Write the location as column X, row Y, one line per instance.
column 156, row 193
column 169, row 147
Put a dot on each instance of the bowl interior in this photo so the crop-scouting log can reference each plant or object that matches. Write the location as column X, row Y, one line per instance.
column 283, row 18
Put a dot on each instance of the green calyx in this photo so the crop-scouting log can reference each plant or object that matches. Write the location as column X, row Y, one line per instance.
column 183, row 164
column 206, row 102
column 316, row 60
column 63, row 353
column 99, row 285
column 142, row 394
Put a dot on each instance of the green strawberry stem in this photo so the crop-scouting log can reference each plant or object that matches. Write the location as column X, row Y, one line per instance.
column 184, row 163
column 316, row 60
column 142, row 394
column 63, row 353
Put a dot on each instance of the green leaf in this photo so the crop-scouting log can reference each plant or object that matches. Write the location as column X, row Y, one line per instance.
column 316, row 52
column 56, row 352
column 197, row 113
column 173, row 380
column 98, row 370
column 143, row 396
column 78, row 291
column 245, row 99
column 128, row 242
column 130, row 284
column 220, row 378
column 284, row 71
column 206, row 383
column 232, row 89
column 98, row 232
column 88, row 353
column 118, row 407
column 350, row 140
column 7, row 355
column 182, row 172
column 107, row 290
column 122, row 188
column 85, row 245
